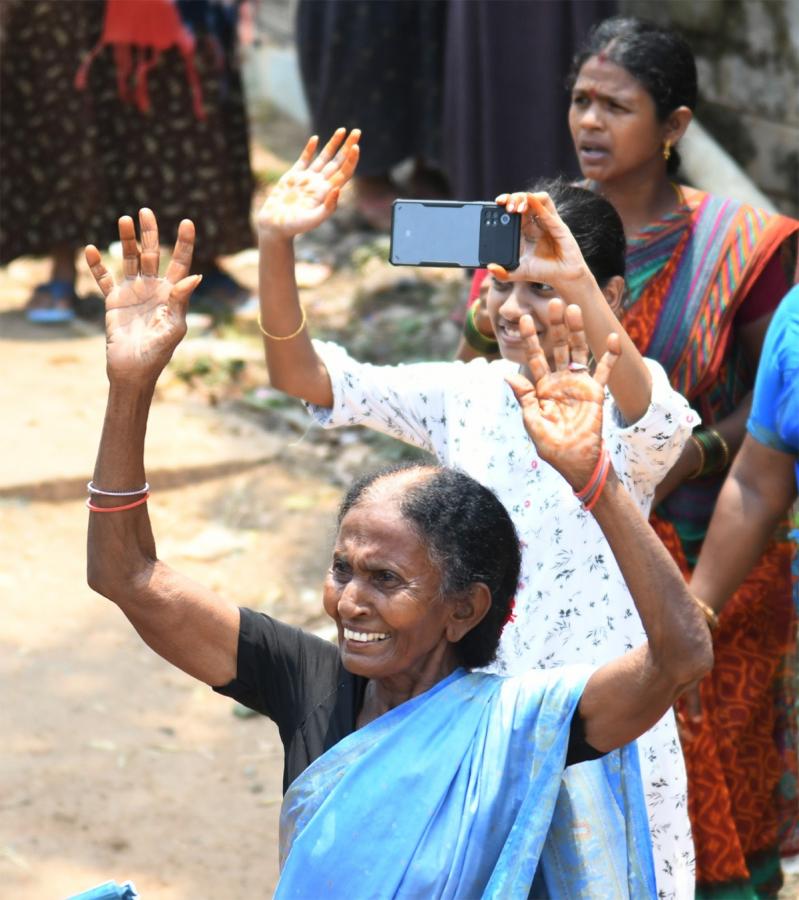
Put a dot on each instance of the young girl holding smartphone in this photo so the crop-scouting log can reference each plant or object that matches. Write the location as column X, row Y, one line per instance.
column 571, row 604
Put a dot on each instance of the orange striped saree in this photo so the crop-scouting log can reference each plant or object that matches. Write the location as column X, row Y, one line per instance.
column 688, row 275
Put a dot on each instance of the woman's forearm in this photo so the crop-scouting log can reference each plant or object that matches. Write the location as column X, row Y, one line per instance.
column 628, row 695
column 630, row 381
column 758, row 492
column 145, row 320
column 121, row 545
column 180, row 620
column 676, row 629
column 733, row 427
column 294, row 366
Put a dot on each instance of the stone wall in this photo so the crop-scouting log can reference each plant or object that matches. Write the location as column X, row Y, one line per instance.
column 748, row 61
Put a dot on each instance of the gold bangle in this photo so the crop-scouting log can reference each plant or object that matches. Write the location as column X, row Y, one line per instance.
column 710, row 615
column 702, row 455
column 725, row 447
column 288, row 337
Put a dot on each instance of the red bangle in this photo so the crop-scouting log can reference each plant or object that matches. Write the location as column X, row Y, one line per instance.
column 93, row 508
column 586, row 491
column 592, row 501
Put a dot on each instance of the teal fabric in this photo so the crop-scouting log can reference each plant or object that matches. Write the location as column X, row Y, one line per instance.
column 459, row 793
column 108, row 890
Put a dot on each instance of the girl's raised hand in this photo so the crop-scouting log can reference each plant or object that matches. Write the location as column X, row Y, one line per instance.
column 562, row 409
column 308, row 193
column 145, row 316
column 550, row 254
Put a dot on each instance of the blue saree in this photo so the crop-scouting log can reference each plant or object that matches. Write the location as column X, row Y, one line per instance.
column 459, row 793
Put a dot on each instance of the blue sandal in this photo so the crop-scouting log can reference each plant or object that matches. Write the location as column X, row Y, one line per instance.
column 55, row 293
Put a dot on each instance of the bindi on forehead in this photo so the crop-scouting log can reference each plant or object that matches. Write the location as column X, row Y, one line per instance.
column 607, row 81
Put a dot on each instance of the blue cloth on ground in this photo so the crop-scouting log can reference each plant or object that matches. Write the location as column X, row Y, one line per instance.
column 108, row 890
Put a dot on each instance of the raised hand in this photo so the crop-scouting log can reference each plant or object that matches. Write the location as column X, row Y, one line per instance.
column 308, row 193
column 550, row 254
column 562, row 410
column 145, row 316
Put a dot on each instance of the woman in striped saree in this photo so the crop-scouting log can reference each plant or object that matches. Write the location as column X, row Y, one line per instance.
column 704, row 275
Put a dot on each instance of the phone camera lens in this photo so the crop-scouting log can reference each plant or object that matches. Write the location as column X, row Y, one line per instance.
column 504, row 218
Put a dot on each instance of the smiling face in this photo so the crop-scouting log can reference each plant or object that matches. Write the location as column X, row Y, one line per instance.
column 383, row 592
column 507, row 302
column 614, row 124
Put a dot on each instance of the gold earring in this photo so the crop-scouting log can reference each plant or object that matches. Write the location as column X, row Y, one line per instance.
column 666, row 150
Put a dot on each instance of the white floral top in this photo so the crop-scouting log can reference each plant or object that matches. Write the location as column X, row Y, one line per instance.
column 572, row 604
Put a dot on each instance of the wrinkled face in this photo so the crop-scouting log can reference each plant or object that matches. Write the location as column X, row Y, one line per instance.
column 382, row 591
column 507, row 302
column 613, row 122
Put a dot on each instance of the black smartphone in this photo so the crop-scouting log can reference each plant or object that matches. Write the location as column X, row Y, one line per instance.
column 453, row 233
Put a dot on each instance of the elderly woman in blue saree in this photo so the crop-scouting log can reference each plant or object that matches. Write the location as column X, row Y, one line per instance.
column 409, row 774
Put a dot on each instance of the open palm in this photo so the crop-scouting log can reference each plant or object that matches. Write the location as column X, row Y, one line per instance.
column 562, row 409
column 308, row 193
column 145, row 315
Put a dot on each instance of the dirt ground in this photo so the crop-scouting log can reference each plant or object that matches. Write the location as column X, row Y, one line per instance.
column 112, row 764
